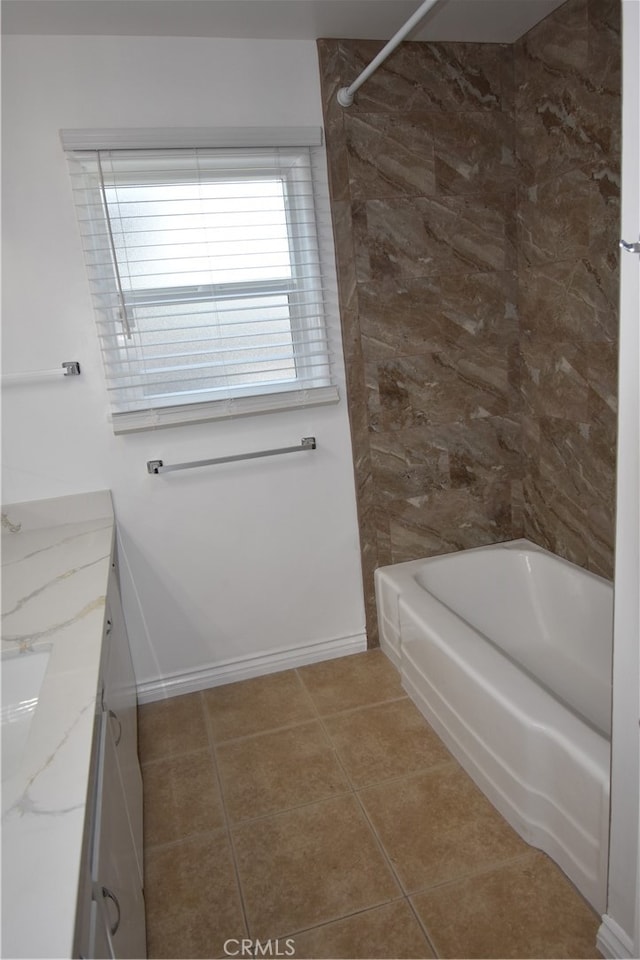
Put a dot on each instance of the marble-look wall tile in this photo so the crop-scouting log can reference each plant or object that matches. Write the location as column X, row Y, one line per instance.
column 517, row 509
column 566, row 459
column 442, row 521
column 554, row 521
column 601, row 520
column 425, row 163
column 604, row 226
column 567, row 300
column 444, row 387
column 448, row 77
column 604, row 55
column 553, row 380
column 475, row 194
column 554, row 218
column 406, row 463
column 568, row 89
column 568, row 147
column 422, row 237
column 390, row 156
column 474, row 153
column 551, row 72
column 409, row 316
column 345, row 256
column 602, row 373
column 569, row 469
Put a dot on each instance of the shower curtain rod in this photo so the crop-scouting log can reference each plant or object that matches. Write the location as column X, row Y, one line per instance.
column 345, row 94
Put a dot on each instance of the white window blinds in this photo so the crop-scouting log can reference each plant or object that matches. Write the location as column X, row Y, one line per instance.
column 211, row 287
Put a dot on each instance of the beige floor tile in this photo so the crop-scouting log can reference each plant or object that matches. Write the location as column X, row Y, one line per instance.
column 275, row 771
column 181, row 798
column 354, row 681
column 168, row 728
column 309, row 866
column 438, row 826
column 525, row 909
column 388, row 931
column 387, row 740
column 192, row 899
column 257, row 705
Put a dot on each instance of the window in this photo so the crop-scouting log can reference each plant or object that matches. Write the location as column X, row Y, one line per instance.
column 208, row 278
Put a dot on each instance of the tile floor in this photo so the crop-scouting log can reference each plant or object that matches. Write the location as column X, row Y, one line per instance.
column 316, row 804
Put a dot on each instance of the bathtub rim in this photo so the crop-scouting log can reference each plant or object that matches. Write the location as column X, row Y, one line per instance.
column 520, row 543
column 403, row 577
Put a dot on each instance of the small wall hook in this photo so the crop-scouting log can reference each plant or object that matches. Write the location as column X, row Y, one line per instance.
column 630, row 247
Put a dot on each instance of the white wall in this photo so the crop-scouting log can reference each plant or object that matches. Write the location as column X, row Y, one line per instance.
column 228, row 563
column 619, row 934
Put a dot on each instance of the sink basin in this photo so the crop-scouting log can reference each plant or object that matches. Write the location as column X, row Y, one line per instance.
column 22, row 676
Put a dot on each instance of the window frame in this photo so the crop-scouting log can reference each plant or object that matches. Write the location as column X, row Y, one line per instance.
column 249, row 398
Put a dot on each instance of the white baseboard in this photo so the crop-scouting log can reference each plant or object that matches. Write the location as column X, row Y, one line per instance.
column 253, row 665
column 612, row 941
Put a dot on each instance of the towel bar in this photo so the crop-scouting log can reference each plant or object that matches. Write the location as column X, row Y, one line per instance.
column 158, row 466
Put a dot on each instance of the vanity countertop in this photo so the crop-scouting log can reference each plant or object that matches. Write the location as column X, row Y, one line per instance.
column 56, row 559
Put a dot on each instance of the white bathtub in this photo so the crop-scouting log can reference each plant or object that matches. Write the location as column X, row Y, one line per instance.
column 506, row 650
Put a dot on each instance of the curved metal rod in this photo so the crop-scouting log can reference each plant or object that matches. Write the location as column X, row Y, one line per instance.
column 346, row 94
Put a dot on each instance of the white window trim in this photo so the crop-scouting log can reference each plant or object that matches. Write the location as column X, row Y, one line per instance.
column 158, row 138
column 226, row 137
column 222, row 409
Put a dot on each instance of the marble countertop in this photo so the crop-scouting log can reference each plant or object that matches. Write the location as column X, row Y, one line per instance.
column 56, row 558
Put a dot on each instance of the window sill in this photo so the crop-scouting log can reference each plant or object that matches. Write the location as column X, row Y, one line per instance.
column 175, row 416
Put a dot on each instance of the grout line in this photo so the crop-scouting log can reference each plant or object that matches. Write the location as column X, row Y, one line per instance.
column 265, row 733
column 334, row 713
column 234, row 856
column 364, row 706
column 344, row 916
column 307, row 694
column 239, row 824
column 170, row 844
column 373, row 833
column 420, row 772
column 380, row 845
column 423, row 927
column 174, row 756
column 284, row 810
column 478, row 872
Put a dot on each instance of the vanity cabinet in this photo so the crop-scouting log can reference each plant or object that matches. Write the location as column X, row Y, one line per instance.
column 111, row 918
column 117, row 903
column 119, row 704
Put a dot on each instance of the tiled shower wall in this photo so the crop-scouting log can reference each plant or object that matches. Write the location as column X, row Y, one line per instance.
column 438, row 224
column 568, row 146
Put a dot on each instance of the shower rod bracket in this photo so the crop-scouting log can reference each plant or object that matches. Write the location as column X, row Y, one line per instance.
column 344, row 97
column 345, row 94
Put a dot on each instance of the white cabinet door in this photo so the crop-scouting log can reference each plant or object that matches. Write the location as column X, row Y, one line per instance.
column 120, row 702
column 111, row 920
column 116, row 885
